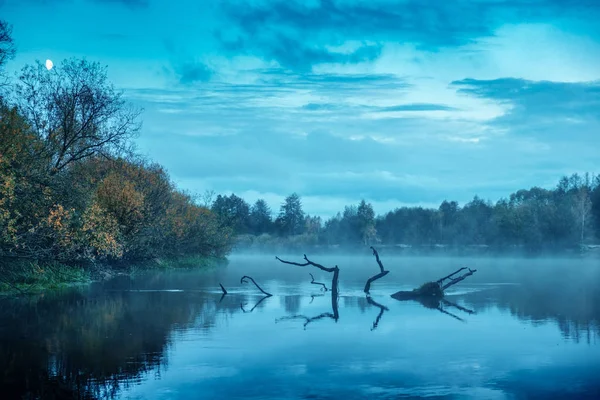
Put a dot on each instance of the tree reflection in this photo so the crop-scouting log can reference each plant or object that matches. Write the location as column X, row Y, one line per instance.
column 79, row 345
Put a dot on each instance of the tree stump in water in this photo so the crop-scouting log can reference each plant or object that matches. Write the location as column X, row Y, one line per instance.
column 427, row 290
column 432, row 290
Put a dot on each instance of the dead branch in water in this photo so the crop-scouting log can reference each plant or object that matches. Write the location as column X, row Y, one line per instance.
column 440, row 281
column 317, row 283
column 308, row 262
column 454, row 281
column 334, row 291
column 379, row 275
column 267, row 294
column 334, row 280
column 223, row 289
column 382, row 308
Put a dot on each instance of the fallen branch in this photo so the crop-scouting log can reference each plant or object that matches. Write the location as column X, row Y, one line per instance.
column 308, row 262
column 223, row 289
column 317, row 283
column 433, row 290
column 334, row 280
column 440, row 281
column 379, row 275
column 454, row 281
column 267, row 294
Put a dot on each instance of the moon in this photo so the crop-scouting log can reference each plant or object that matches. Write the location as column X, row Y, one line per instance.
column 49, row 64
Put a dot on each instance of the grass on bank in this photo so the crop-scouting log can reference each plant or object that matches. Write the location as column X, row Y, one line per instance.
column 30, row 276
column 34, row 276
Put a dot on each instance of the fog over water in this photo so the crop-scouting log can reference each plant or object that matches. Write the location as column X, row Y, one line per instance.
column 517, row 328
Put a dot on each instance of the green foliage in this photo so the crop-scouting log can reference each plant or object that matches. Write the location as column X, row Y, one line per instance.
column 260, row 218
column 70, row 194
column 19, row 276
column 291, row 216
column 531, row 220
column 233, row 211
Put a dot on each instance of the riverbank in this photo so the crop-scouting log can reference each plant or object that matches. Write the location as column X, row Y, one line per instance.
column 18, row 277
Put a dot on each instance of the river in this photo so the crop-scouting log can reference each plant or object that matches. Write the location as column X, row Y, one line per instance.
column 517, row 328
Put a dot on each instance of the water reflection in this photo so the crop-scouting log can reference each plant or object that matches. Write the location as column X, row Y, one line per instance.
column 176, row 335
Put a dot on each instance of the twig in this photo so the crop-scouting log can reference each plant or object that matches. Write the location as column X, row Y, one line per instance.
column 334, row 280
column 376, row 254
column 308, row 262
column 454, row 281
column 255, row 284
column 317, row 283
column 379, row 275
column 440, row 281
column 223, row 289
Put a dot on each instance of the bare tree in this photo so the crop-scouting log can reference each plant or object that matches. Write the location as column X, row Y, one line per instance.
column 7, row 48
column 582, row 209
column 207, row 198
column 76, row 111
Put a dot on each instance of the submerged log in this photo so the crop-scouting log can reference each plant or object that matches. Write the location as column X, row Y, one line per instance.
column 433, row 290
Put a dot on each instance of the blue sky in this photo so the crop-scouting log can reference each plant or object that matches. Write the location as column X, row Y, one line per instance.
column 398, row 102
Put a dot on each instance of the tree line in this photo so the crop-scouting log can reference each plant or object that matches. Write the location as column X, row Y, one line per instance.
column 533, row 219
column 72, row 188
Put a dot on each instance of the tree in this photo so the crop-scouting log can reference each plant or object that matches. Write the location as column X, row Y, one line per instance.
column 291, row 216
column 233, row 211
column 366, row 222
column 7, row 47
column 582, row 209
column 448, row 216
column 260, row 218
column 76, row 112
column 312, row 225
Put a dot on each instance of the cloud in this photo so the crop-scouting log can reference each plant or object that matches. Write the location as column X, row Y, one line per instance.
column 193, row 72
column 187, row 69
column 418, row 107
column 560, row 111
column 300, row 34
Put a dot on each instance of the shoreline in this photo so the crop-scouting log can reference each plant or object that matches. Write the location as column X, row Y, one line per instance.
column 37, row 276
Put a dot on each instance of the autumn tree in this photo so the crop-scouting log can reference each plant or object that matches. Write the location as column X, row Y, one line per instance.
column 76, row 111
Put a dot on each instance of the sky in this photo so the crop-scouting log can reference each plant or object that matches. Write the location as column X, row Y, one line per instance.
column 399, row 103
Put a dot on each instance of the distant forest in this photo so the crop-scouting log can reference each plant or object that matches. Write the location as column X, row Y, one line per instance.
column 535, row 219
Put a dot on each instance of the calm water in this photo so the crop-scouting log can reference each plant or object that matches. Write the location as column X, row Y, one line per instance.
column 516, row 329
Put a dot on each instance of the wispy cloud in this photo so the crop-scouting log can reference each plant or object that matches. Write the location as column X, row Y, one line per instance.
column 395, row 101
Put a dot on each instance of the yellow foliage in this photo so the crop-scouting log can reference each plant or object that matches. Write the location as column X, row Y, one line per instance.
column 101, row 232
column 119, row 197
